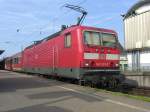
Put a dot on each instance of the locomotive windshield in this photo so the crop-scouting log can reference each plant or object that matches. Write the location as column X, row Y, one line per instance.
column 108, row 40
column 92, row 38
column 99, row 39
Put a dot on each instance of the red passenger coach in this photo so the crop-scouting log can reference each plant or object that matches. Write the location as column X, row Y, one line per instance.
column 17, row 62
column 8, row 63
column 14, row 63
column 77, row 52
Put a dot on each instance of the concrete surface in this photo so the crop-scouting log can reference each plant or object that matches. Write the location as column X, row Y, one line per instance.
column 24, row 93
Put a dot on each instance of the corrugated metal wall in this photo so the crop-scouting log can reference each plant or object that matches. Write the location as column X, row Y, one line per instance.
column 137, row 31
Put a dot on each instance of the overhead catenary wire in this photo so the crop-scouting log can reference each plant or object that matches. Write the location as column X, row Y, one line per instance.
column 53, row 24
column 56, row 18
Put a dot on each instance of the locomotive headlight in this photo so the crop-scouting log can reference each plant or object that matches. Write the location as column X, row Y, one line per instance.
column 86, row 64
column 117, row 65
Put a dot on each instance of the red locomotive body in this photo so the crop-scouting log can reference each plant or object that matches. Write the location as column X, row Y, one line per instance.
column 78, row 52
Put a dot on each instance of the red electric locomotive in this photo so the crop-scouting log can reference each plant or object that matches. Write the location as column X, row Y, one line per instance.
column 78, row 52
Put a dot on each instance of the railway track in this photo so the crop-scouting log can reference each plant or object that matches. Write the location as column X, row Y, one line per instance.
column 139, row 91
column 142, row 91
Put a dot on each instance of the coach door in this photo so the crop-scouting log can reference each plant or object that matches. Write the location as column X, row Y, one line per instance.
column 55, row 58
column 11, row 64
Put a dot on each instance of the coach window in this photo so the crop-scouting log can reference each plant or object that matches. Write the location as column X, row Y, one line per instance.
column 68, row 40
column 17, row 60
column 14, row 61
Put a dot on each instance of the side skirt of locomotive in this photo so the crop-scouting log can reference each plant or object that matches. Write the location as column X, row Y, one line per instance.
column 108, row 77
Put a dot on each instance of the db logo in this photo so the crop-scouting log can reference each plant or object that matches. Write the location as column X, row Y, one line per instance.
column 102, row 56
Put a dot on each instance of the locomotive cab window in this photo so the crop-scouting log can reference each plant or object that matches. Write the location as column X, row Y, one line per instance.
column 92, row 38
column 68, row 40
column 109, row 40
column 99, row 39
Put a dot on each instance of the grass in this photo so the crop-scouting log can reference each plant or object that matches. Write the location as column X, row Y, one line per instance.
column 143, row 98
column 137, row 97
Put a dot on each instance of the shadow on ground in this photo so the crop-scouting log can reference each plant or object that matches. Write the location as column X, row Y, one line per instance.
column 41, row 108
column 12, row 84
column 60, row 94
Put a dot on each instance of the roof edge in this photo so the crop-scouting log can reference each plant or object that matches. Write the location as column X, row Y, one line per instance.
column 131, row 11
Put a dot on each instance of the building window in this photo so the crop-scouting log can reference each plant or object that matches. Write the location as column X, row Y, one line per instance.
column 68, row 40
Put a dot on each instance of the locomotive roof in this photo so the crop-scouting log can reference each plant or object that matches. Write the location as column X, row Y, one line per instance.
column 72, row 27
column 99, row 29
column 17, row 55
column 45, row 39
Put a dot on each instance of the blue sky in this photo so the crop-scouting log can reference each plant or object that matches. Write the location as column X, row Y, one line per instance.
column 47, row 16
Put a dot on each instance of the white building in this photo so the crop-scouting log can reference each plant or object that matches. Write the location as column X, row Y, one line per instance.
column 137, row 36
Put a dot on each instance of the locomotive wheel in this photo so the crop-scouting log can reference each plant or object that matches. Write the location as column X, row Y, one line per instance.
column 81, row 82
column 103, row 84
column 112, row 83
